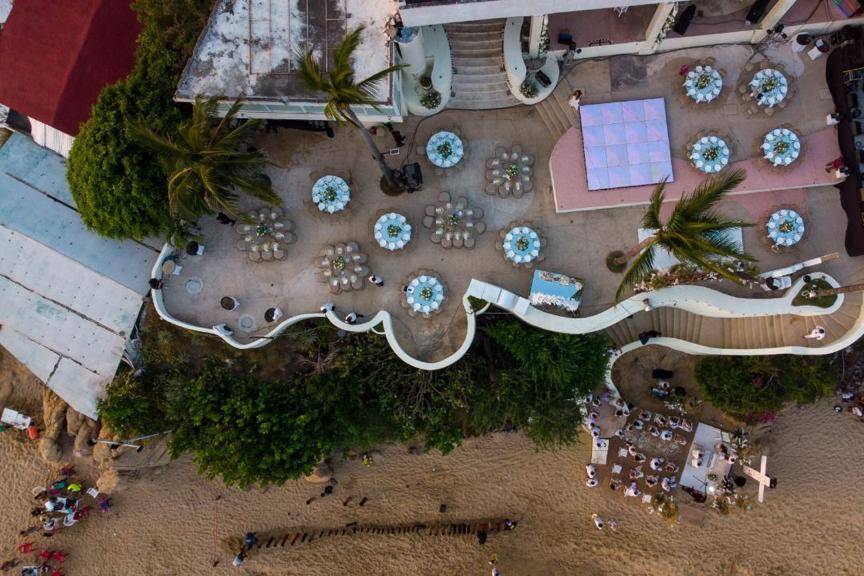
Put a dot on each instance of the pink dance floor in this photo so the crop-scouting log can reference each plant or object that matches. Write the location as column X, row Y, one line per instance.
column 570, row 183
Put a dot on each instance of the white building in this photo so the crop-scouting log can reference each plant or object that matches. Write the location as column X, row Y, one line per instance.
column 472, row 53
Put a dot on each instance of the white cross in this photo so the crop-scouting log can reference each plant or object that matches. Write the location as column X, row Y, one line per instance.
column 760, row 476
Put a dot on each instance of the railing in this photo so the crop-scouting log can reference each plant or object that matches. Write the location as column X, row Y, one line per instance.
column 517, row 72
column 694, row 299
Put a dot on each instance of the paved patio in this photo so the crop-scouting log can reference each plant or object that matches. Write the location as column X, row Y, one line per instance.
column 632, row 78
column 578, row 242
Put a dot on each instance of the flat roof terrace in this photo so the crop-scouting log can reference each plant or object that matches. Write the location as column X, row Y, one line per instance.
column 250, row 48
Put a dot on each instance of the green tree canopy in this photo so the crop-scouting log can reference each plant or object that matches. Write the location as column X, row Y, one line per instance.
column 354, row 393
column 206, row 169
column 752, row 385
column 118, row 185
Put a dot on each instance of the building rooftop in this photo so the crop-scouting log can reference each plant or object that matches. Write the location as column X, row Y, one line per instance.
column 70, row 297
column 250, row 47
column 55, row 57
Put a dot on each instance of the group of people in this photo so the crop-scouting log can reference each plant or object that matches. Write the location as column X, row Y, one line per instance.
column 852, row 402
column 65, row 503
column 36, row 562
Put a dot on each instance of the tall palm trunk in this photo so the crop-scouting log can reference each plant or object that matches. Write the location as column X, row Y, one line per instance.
column 635, row 250
column 379, row 157
column 838, row 290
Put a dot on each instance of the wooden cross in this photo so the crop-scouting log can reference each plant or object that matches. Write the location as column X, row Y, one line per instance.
column 760, row 476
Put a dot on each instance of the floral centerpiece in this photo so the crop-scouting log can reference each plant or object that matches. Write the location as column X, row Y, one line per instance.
column 781, row 147
column 522, row 244
column 786, row 226
column 445, row 149
column 711, row 153
column 703, row 81
column 453, row 220
column 263, row 230
column 426, row 293
column 769, row 84
column 393, row 231
column 339, row 263
column 511, row 172
column 330, row 194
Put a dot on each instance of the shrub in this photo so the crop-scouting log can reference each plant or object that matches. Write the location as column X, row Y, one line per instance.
column 541, row 378
column 752, row 385
column 133, row 406
column 528, row 89
column 118, row 186
column 251, row 431
column 431, row 99
column 355, row 393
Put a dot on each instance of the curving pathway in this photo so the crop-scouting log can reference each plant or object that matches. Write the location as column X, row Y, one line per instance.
column 691, row 319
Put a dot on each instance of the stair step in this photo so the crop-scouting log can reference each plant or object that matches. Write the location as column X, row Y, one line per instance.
column 492, row 90
column 464, row 67
column 555, row 128
column 474, row 42
column 482, row 104
column 477, row 52
column 561, row 100
column 488, row 78
column 496, row 25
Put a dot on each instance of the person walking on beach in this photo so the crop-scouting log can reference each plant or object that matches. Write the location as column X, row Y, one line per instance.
column 598, row 521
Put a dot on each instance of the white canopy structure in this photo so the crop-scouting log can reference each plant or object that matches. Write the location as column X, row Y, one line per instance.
column 68, row 297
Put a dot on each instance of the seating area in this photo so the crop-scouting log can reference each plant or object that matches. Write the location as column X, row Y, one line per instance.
column 481, row 171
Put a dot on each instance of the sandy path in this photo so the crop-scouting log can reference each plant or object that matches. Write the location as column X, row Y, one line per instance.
column 168, row 524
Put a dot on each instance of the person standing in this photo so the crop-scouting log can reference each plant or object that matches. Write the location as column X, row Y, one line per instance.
column 223, row 218
column 575, row 100
column 598, row 521
column 818, row 333
column 352, row 317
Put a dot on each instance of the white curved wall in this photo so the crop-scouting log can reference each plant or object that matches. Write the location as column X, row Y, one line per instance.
column 693, row 299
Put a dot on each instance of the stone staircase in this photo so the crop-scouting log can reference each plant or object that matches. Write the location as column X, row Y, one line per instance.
column 479, row 80
column 740, row 333
column 556, row 114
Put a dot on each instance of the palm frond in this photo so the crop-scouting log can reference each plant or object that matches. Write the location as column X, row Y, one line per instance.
column 310, row 73
column 651, row 218
column 227, row 119
column 639, row 270
column 706, row 196
column 345, row 49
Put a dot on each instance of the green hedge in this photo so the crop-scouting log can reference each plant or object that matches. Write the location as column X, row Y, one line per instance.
column 753, row 385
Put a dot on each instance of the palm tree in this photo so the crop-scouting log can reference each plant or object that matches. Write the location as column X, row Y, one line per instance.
column 205, row 169
column 343, row 92
column 693, row 233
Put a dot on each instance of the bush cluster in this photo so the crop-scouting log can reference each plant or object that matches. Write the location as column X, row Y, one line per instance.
column 749, row 386
column 355, row 393
column 118, row 185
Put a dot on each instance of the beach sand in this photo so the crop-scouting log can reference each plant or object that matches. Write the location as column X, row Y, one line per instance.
column 172, row 523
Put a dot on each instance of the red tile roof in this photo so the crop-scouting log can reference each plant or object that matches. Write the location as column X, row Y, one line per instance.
column 56, row 56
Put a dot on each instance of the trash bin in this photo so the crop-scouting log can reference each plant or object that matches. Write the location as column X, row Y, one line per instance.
column 801, row 42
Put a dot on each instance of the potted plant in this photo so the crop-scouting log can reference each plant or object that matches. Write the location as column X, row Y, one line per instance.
column 430, row 99
column 528, row 89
